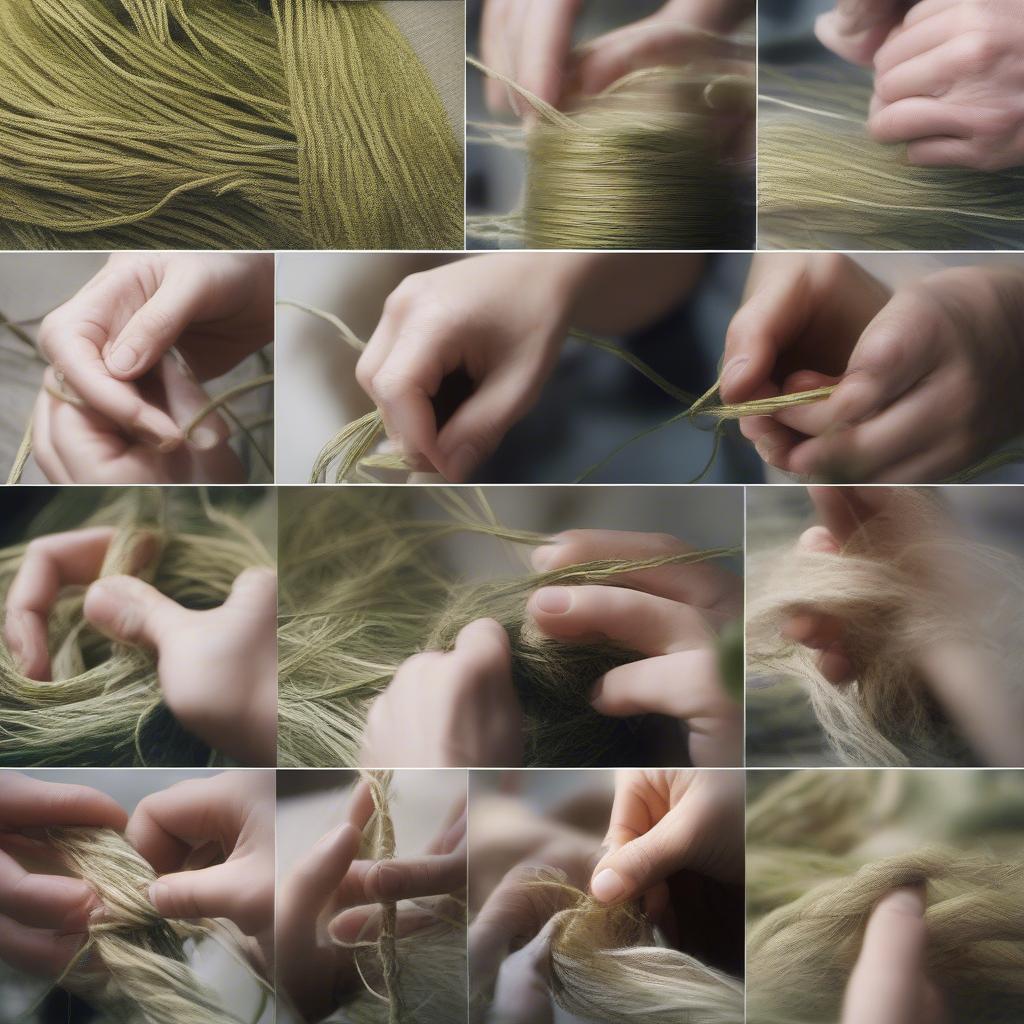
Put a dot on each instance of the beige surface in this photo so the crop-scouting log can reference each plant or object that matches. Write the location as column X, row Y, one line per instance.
column 33, row 284
column 437, row 31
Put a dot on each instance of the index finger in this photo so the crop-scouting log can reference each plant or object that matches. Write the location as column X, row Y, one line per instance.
column 74, row 558
column 78, row 360
column 702, row 583
column 544, row 59
column 30, row 803
column 887, row 982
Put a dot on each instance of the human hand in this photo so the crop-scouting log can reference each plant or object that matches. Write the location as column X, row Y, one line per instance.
column 73, row 443
column 856, row 29
column 327, row 895
column 230, row 816
column 531, row 43
column 216, row 308
column 498, row 320
column 950, row 82
column 217, row 669
column 665, row 821
column 456, row 709
column 800, row 320
column 966, row 679
column 44, row 916
column 931, row 386
column 889, row 984
column 670, row 615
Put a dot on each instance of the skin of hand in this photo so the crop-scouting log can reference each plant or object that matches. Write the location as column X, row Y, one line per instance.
column 44, row 916
column 962, row 678
column 323, row 902
column 949, row 81
column 888, row 984
column 216, row 308
column 231, row 814
column 75, row 444
column 508, row 939
column 530, row 41
column 456, row 709
column 669, row 615
column 800, row 320
column 217, row 668
column 665, row 821
column 499, row 320
column 856, row 29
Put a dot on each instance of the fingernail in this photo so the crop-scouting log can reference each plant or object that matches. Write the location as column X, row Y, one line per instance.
column 123, row 358
column 15, row 639
column 462, row 463
column 906, row 901
column 347, row 928
column 598, row 689
column 383, row 882
column 541, row 558
column 553, row 600
column 607, row 886
column 765, row 448
column 156, row 894
column 99, row 915
column 733, row 368
column 204, row 439
column 153, row 426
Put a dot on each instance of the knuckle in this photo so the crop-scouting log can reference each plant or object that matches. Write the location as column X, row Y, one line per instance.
column 977, row 49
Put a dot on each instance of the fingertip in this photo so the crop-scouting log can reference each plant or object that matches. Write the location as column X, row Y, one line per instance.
column 608, row 886
column 835, row 666
column 818, row 540
column 734, row 384
column 124, row 361
column 550, row 601
column 908, row 901
column 488, row 631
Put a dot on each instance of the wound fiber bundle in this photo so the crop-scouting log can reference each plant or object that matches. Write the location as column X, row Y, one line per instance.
column 103, row 706
column 901, row 829
column 235, row 124
column 824, row 183
column 903, row 584
column 133, row 965
column 364, row 586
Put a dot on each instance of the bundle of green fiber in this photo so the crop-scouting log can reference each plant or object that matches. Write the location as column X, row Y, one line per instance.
column 957, row 834
column 642, row 166
column 223, row 124
column 133, row 965
column 363, row 587
column 823, row 183
column 103, row 707
column 417, row 978
column 902, row 584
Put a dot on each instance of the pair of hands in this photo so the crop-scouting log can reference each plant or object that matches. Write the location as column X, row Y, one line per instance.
column 460, row 708
column 330, row 898
column 661, row 823
column 928, row 375
column 109, row 350
column 228, row 818
column 949, row 80
column 968, row 685
column 530, row 41
column 217, row 669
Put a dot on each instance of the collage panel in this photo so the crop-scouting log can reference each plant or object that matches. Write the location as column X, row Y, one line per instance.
column 371, row 912
column 623, row 124
column 510, row 627
column 884, row 895
column 136, row 895
column 884, row 627
column 600, row 896
column 137, row 368
column 138, row 627
column 232, row 124
column 651, row 368
column 890, row 125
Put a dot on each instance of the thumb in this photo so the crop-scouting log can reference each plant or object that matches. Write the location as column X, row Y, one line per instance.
column 224, row 890
column 481, row 422
column 254, row 593
column 154, row 328
column 642, row 863
column 131, row 611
